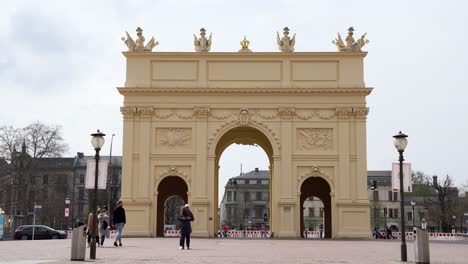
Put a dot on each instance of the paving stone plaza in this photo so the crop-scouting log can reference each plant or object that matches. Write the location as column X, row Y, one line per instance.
column 226, row 251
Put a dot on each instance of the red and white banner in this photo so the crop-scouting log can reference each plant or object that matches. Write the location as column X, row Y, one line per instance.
column 67, row 212
column 407, row 179
column 91, row 173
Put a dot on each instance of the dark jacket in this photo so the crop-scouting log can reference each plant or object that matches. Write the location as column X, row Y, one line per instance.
column 186, row 218
column 119, row 215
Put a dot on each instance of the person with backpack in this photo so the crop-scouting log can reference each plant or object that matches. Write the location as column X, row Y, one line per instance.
column 103, row 219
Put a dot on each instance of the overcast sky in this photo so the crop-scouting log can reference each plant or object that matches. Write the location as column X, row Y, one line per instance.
column 61, row 62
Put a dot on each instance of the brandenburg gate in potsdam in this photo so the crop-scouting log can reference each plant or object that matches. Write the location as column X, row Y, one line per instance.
column 307, row 110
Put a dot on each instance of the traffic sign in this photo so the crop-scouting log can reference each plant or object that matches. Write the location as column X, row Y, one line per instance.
column 37, row 206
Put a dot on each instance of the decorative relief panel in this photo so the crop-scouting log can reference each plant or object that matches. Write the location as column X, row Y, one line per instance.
column 314, row 138
column 174, row 137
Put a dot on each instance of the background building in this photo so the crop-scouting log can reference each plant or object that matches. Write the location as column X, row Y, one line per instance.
column 246, row 201
column 48, row 182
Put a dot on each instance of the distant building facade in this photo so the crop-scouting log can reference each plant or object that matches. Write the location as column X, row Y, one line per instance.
column 246, row 201
column 47, row 183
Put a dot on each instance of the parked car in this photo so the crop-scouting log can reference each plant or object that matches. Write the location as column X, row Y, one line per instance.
column 25, row 232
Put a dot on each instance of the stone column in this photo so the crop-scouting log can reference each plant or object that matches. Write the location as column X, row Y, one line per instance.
column 127, row 152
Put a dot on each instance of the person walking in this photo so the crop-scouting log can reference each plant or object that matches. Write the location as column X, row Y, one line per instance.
column 103, row 219
column 90, row 229
column 119, row 222
column 186, row 217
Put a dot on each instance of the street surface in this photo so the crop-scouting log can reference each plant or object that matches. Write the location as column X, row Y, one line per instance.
column 231, row 251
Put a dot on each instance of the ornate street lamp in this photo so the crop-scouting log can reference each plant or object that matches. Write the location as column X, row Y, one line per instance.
column 413, row 203
column 97, row 141
column 67, row 208
column 454, row 226
column 400, row 143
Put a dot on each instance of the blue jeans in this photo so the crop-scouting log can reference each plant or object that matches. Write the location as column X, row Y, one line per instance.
column 119, row 227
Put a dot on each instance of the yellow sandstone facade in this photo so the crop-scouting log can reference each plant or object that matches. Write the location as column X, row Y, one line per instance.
column 307, row 110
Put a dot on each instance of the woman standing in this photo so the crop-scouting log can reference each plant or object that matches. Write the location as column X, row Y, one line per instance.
column 103, row 219
column 185, row 217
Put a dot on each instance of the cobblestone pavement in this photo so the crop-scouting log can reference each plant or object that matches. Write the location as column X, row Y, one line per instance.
column 231, row 251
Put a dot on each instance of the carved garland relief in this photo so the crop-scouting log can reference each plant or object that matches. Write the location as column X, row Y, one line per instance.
column 314, row 138
column 173, row 137
column 204, row 112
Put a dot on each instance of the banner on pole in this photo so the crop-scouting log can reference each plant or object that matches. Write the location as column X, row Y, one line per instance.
column 2, row 219
column 407, row 179
column 67, row 212
column 91, row 173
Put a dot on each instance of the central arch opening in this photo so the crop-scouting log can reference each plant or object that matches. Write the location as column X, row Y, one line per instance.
column 320, row 189
column 243, row 195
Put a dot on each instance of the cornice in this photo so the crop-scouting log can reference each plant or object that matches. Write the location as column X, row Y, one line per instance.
column 245, row 54
column 250, row 91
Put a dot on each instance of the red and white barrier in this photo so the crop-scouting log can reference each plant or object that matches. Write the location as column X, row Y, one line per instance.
column 172, row 233
column 113, row 233
column 246, row 234
column 311, row 234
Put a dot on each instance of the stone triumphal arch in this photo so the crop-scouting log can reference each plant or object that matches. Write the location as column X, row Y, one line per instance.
column 307, row 110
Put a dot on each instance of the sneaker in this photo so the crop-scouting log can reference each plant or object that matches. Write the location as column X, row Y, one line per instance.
column 115, row 244
column 181, row 248
column 120, row 244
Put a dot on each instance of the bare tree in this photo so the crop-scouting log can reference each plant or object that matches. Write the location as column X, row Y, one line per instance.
column 36, row 141
column 445, row 201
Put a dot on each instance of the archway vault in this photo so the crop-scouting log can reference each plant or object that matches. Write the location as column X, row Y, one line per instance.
column 317, row 187
column 245, row 136
column 168, row 187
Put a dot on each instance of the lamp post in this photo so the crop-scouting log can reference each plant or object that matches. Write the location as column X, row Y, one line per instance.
column 67, row 209
column 97, row 141
column 400, row 143
column 413, row 203
column 454, row 227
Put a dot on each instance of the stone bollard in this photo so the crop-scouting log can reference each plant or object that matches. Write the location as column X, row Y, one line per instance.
column 421, row 246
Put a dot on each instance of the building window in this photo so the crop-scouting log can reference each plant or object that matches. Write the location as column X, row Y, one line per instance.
column 252, row 181
column 81, row 178
column 246, row 196
column 259, row 196
column 410, row 216
column 376, row 195
column 321, row 212
column 395, row 213
column 265, row 196
column 259, row 181
column 390, row 196
column 395, row 196
column 312, row 212
column 265, row 182
column 234, row 194
column 64, row 179
column 45, row 179
column 81, row 194
column 229, row 196
column 240, row 181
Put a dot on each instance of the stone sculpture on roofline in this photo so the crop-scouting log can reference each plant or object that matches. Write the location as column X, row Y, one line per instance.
column 351, row 45
column 286, row 44
column 138, row 45
column 202, row 44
